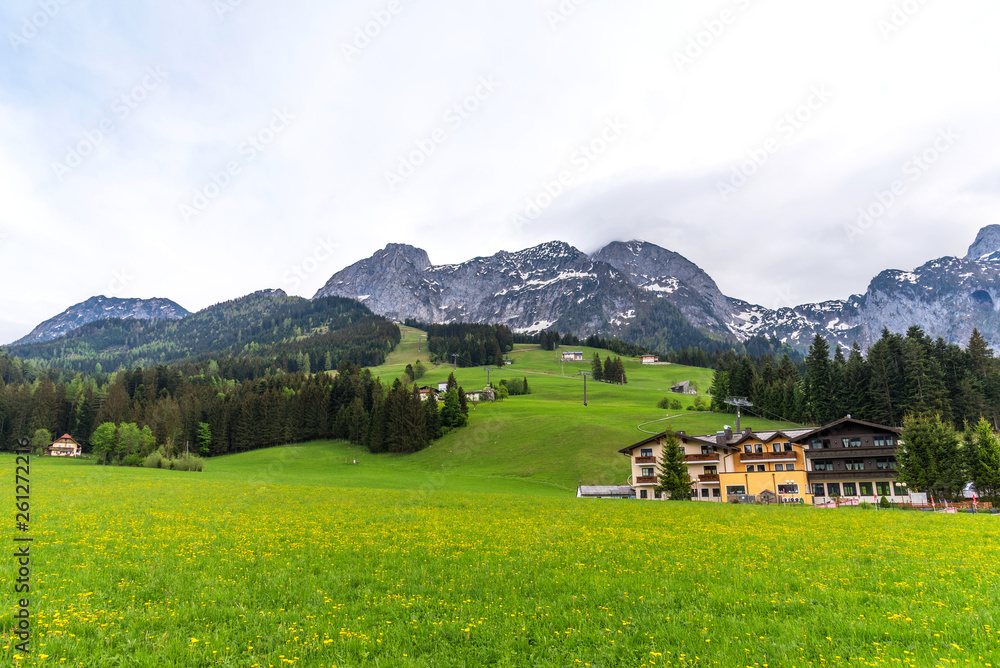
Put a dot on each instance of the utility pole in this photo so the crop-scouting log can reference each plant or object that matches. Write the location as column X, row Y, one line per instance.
column 739, row 402
column 584, row 374
column 487, row 376
column 455, row 357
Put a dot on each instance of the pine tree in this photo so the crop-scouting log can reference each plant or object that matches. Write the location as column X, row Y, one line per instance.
column 672, row 476
column 720, row 389
column 979, row 353
column 463, row 401
column 818, row 385
column 596, row 368
column 451, row 413
column 433, row 418
column 452, row 383
column 856, row 383
column 609, row 370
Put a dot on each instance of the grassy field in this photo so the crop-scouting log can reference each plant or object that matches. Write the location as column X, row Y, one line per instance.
column 476, row 552
column 266, row 560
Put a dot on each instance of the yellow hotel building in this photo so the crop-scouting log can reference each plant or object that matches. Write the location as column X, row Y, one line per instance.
column 727, row 466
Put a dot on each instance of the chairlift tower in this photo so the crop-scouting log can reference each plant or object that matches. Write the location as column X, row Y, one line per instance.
column 739, row 402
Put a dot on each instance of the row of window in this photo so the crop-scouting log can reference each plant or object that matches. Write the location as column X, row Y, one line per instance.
column 858, row 489
column 853, row 442
column 884, row 463
column 716, row 493
column 738, row 490
column 759, row 468
column 752, row 448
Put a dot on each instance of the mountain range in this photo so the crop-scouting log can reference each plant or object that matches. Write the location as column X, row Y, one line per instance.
column 636, row 291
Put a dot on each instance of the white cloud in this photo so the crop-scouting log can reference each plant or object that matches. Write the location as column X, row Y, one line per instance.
column 324, row 174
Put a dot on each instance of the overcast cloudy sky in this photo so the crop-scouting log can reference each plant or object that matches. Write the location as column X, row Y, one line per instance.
column 203, row 149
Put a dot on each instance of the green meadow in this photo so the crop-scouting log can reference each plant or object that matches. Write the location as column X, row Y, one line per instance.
column 475, row 552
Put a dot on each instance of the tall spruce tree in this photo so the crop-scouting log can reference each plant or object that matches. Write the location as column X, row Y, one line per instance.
column 596, row 368
column 930, row 458
column 818, row 384
column 672, row 475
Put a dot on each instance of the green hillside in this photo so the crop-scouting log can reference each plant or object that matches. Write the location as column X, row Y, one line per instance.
column 548, row 436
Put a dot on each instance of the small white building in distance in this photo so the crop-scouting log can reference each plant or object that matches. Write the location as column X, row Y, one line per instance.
column 650, row 359
column 572, row 356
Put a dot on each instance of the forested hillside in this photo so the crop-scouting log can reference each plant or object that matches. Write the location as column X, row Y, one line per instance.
column 265, row 330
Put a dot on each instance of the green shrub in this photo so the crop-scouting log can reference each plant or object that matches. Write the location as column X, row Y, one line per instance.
column 663, row 403
column 135, row 459
column 153, row 461
column 884, row 503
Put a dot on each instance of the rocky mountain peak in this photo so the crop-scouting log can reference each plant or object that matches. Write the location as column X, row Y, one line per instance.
column 987, row 244
column 104, row 308
column 397, row 255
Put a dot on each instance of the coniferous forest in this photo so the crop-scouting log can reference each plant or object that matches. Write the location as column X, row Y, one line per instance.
column 899, row 375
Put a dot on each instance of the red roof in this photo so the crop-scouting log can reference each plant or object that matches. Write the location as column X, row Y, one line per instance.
column 65, row 436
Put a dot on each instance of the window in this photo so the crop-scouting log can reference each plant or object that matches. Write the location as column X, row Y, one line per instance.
column 833, row 488
column 850, row 489
column 889, row 441
column 879, row 441
column 643, row 494
column 900, row 489
column 826, row 443
column 855, row 464
column 648, row 471
column 656, row 494
column 776, row 447
column 758, row 448
column 816, row 444
column 823, row 465
column 716, row 493
column 846, row 442
column 646, row 452
column 818, row 489
column 711, row 470
column 748, row 449
column 704, row 493
column 855, row 442
column 787, row 447
column 706, row 449
column 735, row 489
column 779, row 467
column 886, row 463
column 761, row 468
column 750, row 468
column 694, row 493
column 866, row 488
column 883, row 488
column 789, row 488
column 789, row 467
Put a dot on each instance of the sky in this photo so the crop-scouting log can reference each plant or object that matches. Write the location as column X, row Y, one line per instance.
column 200, row 150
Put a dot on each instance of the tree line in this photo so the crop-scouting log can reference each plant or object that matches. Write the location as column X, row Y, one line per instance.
column 899, row 375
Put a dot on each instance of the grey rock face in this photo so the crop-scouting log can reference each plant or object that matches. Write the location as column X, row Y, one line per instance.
column 987, row 244
column 104, row 308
